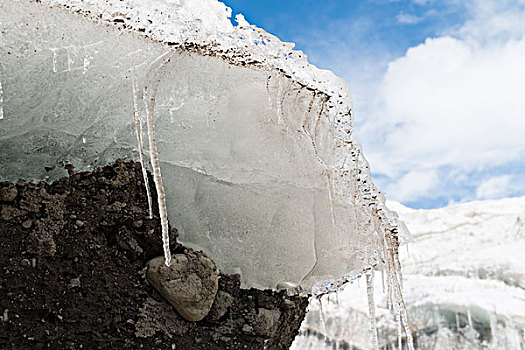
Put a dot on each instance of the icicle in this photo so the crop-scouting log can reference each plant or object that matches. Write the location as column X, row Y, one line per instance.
column 150, row 94
column 469, row 318
column 493, row 325
column 396, row 287
column 138, row 133
column 280, row 104
column 397, row 267
column 404, row 316
column 87, row 62
column 389, row 282
column 382, row 267
column 372, row 308
column 54, row 60
column 403, row 312
column 1, row 101
column 157, row 177
column 330, row 196
column 69, row 60
column 321, row 313
column 397, row 313
column 457, row 322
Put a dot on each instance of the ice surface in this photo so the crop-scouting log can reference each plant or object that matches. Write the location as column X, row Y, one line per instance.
column 255, row 145
column 464, row 283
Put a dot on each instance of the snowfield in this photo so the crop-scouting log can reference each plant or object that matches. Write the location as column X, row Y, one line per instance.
column 464, row 284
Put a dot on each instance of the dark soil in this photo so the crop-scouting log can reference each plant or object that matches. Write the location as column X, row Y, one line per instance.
column 72, row 259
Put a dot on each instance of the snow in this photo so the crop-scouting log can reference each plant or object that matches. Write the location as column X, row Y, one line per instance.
column 464, row 282
column 207, row 23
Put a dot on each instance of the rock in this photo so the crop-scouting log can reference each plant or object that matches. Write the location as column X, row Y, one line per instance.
column 27, row 224
column 138, row 223
column 135, row 246
column 115, row 207
column 79, row 223
column 247, row 329
column 25, row 263
column 190, row 283
column 8, row 193
column 287, row 304
column 9, row 213
column 158, row 317
column 223, row 301
column 30, row 205
column 267, row 321
column 74, row 283
column 43, row 243
column 69, row 168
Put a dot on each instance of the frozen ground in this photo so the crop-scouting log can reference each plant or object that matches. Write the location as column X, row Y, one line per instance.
column 464, row 284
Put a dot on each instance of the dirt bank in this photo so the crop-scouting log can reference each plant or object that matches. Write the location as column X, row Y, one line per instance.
column 72, row 259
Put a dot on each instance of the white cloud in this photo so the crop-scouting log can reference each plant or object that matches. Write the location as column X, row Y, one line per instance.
column 453, row 102
column 412, row 185
column 494, row 20
column 495, row 187
column 406, row 18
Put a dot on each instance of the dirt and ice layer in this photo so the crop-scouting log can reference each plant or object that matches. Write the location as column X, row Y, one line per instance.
column 464, row 284
column 72, row 261
column 255, row 145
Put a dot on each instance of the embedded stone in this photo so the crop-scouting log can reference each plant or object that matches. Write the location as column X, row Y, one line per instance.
column 222, row 303
column 8, row 193
column 190, row 283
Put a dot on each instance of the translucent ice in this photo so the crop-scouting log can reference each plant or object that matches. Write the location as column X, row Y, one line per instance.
column 255, row 144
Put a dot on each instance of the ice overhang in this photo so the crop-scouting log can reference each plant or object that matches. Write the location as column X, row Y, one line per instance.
column 259, row 164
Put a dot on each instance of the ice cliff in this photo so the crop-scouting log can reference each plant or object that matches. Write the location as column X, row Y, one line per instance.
column 255, row 144
column 463, row 279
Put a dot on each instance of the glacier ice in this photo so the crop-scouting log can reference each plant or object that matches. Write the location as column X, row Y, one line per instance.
column 255, row 145
column 464, row 284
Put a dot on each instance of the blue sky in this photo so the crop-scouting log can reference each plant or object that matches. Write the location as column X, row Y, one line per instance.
column 438, row 87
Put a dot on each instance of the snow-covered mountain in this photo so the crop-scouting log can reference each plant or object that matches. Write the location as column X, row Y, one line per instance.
column 464, row 284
